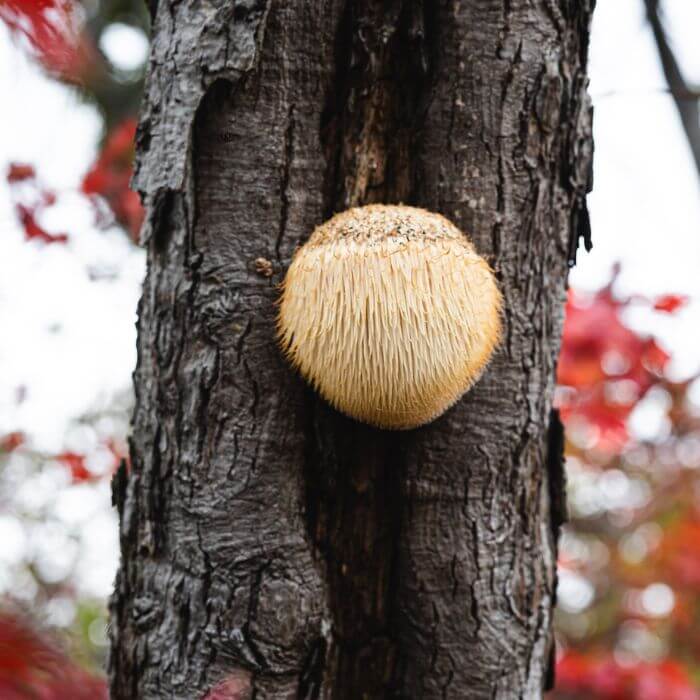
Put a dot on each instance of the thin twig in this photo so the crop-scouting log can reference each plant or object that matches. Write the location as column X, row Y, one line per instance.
column 688, row 109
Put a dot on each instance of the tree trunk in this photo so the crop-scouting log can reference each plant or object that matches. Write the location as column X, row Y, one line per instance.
column 270, row 545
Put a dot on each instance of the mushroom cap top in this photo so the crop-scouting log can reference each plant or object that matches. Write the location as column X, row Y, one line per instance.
column 390, row 313
column 377, row 223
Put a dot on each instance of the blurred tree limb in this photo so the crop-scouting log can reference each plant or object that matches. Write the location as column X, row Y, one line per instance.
column 684, row 96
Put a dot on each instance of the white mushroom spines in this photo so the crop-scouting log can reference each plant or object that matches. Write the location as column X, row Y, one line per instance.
column 389, row 312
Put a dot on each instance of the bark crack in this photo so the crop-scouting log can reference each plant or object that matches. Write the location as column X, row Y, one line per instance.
column 284, row 179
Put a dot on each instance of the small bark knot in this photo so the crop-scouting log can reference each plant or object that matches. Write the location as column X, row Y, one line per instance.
column 263, row 267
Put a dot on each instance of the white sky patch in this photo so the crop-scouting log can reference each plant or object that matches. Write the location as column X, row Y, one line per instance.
column 67, row 340
column 14, row 541
column 682, row 19
column 574, row 592
column 658, row 600
column 124, row 45
column 645, row 204
column 649, row 419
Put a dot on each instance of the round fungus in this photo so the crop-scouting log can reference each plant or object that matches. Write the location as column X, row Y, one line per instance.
column 390, row 314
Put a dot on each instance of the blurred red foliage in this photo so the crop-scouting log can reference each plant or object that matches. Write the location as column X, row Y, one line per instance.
column 75, row 464
column 635, row 513
column 18, row 172
column 33, row 666
column 107, row 181
column 23, row 176
column 11, row 441
column 33, row 231
column 679, row 553
column 110, row 175
column 605, row 367
column 600, row 677
column 53, row 34
column 670, row 303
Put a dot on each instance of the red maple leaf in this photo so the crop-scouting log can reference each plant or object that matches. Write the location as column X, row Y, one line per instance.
column 27, row 212
column 32, row 230
column 12, row 441
column 76, row 465
column 670, row 303
column 18, row 172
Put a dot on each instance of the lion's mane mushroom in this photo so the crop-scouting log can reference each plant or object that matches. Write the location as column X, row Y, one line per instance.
column 390, row 313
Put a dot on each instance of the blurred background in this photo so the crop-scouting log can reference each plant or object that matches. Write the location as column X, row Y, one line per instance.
column 628, row 619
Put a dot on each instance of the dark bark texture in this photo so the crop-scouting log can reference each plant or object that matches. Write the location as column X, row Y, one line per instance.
column 271, row 547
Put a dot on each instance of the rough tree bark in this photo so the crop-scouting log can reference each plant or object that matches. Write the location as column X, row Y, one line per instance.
column 268, row 542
